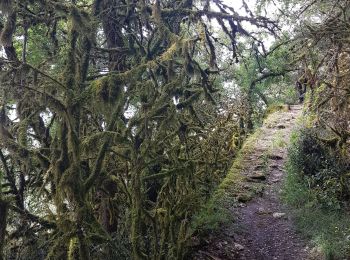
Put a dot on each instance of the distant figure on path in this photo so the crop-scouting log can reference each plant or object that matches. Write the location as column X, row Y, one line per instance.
column 306, row 79
column 301, row 88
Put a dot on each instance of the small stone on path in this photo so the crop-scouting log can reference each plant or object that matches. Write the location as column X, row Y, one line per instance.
column 238, row 247
column 258, row 176
column 279, row 215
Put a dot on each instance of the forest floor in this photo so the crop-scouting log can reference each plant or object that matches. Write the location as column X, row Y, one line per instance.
column 262, row 228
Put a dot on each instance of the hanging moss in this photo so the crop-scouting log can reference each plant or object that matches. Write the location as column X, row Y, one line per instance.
column 108, row 89
column 70, row 185
column 80, row 20
column 8, row 30
column 73, row 251
column 146, row 171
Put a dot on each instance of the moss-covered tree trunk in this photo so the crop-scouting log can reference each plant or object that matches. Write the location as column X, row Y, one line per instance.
column 3, row 223
column 136, row 212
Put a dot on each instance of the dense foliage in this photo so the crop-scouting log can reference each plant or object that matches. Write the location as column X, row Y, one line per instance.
column 321, row 167
column 112, row 130
column 118, row 118
column 317, row 192
column 321, row 50
column 321, row 47
column 318, row 182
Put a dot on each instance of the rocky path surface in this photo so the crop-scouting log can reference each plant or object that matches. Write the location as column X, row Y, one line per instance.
column 262, row 228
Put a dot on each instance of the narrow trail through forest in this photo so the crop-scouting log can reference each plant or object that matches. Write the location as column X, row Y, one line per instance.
column 262, row 228
column 267, row 231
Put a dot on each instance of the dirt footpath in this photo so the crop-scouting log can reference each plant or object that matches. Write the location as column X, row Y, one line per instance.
column 262, row 228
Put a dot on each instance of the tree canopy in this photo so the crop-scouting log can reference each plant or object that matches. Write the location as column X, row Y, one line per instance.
column 116, row 123
column 110, row 133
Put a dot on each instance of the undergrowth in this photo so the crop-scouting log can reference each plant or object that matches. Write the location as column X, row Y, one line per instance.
column 231, row 191
column 316, row 196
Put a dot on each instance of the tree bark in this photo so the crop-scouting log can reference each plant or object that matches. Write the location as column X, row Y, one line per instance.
column 3, row 222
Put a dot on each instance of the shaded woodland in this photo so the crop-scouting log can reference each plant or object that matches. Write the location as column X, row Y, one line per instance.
column 119, row 118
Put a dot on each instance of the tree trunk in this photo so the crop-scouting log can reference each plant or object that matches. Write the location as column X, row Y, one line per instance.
column 3, row 219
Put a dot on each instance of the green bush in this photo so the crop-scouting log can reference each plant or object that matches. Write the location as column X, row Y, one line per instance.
column 316, row 193
column 321, row 167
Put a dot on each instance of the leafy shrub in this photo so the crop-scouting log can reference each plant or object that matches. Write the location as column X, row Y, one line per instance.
column 316, row 190
column 322, row 167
